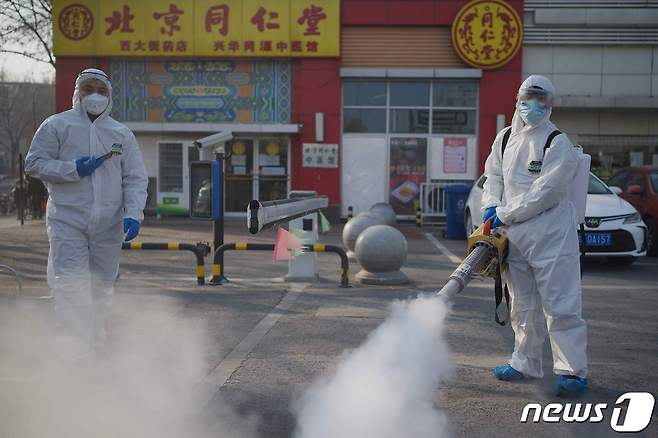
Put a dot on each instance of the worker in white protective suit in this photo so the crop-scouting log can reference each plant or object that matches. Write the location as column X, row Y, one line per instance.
column 93, row 205
column 526, row 190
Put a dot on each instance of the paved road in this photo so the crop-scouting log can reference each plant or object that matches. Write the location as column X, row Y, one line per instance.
column 261, row 343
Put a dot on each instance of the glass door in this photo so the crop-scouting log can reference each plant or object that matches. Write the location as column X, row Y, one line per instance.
column 239, row 176
column 257, row 168
column 272, row 177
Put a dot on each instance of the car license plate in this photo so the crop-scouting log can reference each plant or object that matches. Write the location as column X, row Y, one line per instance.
column 596, row 239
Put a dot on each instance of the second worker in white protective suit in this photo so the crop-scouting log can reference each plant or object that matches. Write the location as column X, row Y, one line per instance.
column 93, row 205
column 526, row 190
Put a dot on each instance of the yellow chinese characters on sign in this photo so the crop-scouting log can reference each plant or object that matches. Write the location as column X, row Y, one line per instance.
column 227, row 28
column 487, row 33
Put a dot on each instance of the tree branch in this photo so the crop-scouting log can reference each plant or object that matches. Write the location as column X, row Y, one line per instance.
column 34, row 29
column 27, row 55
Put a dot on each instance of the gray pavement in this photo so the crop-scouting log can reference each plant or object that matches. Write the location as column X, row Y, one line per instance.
column 263, row 342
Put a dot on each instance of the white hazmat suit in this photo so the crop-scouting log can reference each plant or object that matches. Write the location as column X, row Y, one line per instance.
column 85, row 214
column 543, row 274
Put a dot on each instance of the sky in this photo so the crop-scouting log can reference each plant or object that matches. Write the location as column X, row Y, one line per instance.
column 20, row 68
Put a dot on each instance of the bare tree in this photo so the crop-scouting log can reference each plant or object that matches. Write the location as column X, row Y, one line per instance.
column 24, row 106
column 26, row 29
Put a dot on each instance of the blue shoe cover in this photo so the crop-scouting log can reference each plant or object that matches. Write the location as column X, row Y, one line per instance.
column 571, row 386
column 507, row 373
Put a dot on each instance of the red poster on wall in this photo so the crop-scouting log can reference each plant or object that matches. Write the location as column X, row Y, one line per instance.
column 407, row 171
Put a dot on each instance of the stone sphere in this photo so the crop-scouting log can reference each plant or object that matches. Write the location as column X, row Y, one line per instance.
column 381, row 248
column 385, row 211
column 353, row 228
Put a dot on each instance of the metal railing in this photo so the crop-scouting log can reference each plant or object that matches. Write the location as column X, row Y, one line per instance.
column 432, row 202
column 200, row 250
column 218, row 268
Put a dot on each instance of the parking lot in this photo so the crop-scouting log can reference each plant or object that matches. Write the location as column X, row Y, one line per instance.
column 261, row 343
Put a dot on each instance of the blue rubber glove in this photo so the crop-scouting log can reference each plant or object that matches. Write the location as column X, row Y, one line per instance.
column 86, row 165
column 496, row 222
column 489, row 213
column 130, row 228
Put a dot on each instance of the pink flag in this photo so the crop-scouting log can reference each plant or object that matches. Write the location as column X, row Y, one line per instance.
column 285, row 241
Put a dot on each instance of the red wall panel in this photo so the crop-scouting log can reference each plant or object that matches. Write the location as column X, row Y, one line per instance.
column 316, row 88
column 498, row 89
column 67, row 70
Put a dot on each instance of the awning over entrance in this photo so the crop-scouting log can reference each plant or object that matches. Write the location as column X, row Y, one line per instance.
column 251, row 128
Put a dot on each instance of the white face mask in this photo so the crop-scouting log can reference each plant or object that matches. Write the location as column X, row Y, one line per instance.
column 94, row 104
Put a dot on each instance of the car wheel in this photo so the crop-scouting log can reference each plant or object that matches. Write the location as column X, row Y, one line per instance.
column 652, row 238
column 468, row 222
column 622, row 261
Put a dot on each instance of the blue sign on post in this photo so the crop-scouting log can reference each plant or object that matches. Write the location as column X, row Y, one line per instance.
column 216, row 189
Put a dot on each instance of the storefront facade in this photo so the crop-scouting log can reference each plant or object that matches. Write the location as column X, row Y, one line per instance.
column 603, row 60
column 362, row 101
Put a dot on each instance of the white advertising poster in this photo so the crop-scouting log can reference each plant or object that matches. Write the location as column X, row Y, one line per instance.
column 320, row 155
column 454, row 155
column 453, row 158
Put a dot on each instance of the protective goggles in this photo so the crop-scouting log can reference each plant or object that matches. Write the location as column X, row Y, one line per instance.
column 538, row 94
column 92, row 73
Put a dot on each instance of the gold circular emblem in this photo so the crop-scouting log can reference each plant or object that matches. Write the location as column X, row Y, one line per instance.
column 76, row 22
column 239, row 148
column 272, row 148
column 487, row 33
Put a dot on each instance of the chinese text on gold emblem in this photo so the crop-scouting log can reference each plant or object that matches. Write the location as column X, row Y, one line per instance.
column 487, row 33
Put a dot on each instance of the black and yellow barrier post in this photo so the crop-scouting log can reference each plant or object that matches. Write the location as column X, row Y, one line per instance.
column 419, row 219
column 218, row 268
column 200, row 250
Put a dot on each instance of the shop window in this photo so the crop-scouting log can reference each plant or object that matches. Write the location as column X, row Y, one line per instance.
column 455, row 94
column 364, row 120
column 453, row 121
column 171, row 167
column 239, row 179
column 410, row 121
column 410, row 94
column 364, row 93
column 272, row 170
column 454, row 107
column 410, row 107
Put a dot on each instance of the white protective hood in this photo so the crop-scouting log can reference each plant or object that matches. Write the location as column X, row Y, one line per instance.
column 85, row 75
column 533, row 81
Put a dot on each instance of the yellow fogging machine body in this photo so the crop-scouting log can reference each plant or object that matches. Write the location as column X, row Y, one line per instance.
column 487, row 252
column 496, row 244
